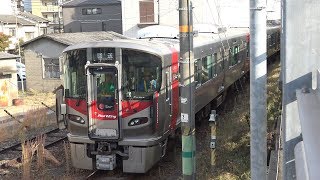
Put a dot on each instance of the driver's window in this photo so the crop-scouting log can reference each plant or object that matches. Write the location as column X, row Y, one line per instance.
column 105, row 84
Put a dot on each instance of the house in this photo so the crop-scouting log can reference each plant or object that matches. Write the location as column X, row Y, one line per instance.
column 43, row 56
column 42, row 24
column 17, row 28
column 128, row 17
column 8, row 79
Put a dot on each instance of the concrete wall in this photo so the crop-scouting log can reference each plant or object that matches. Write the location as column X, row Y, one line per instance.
column 229, row 13
column 74, row 21
column 8, row 86
column 34, row 63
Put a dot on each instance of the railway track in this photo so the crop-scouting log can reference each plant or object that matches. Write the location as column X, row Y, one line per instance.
column 13, row 151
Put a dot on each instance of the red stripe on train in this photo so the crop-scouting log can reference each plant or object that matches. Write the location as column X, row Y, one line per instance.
column 104, row 115
column 175, row 87
column 79, row 105
column 134, row 106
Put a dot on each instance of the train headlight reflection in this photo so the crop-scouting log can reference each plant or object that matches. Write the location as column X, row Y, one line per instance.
column 76, row 118
column 138, row 121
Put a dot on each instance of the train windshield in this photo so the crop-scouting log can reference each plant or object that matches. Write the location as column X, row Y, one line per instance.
column 74, row 73
column 141, row 74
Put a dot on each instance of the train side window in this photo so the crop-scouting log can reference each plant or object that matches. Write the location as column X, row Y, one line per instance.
column 196, row 73
column 205, row 70
column 220, row 62
column 214, row 65
column 233, row 55
column 236, row 54
column 225, row 56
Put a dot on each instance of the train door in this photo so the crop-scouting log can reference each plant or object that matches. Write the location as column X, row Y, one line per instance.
column 103, row 106
column 168, row 99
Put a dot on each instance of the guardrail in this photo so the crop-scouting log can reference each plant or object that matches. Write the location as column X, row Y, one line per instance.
column 307, row 157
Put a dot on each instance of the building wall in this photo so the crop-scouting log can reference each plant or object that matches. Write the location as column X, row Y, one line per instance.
column 48, row 9
column 34, row 53
column 75, row 21
column 228, row 13
column 8, row 86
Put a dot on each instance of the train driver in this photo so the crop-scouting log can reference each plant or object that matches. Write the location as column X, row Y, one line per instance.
column 147, row 84
column 106, row 90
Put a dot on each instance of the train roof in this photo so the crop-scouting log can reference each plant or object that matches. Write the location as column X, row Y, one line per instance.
column 161, row 46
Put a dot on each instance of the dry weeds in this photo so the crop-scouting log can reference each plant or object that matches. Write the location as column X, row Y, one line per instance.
column 28, row 150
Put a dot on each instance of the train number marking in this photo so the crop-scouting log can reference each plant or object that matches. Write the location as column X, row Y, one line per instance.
column 184, row 117
column 184, row 100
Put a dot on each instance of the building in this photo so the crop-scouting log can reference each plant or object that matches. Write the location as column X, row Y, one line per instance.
column 8, row 79
column 10, row 7
column 42, row 24
column 22, row 27
column 48, row 9
column 107, row 15
column 43, row 56
column 93, row 15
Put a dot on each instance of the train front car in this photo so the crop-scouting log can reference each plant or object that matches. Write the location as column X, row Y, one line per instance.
column 111, row 106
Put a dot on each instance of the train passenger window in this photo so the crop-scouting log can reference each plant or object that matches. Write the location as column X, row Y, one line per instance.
column 205, row 70
column 197, row 77
column 141, row 74
column 220, row 63
column 214, row 65
column 234, row 55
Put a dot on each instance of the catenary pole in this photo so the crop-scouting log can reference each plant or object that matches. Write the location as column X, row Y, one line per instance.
column 186, row 63
column 258, row 77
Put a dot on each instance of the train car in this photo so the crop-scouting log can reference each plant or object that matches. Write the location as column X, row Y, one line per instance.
column 120, row 100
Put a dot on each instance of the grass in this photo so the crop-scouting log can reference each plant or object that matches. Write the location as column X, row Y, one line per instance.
column 233, row 131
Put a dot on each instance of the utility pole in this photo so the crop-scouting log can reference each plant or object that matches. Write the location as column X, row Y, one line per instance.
column 186, row 63
column 17, row 31
column 258, row 79
column 59, row 14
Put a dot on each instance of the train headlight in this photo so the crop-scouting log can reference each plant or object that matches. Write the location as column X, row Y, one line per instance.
column 76, row 118
column 138, row 121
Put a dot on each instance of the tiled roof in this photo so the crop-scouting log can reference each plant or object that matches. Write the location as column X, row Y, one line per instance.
column 33, row 17
column 4, row 55
column 74, row 3
column 74, row 38
column 11, row 19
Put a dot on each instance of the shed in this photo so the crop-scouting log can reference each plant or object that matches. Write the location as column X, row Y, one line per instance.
column 8, row 79
column 43, row 56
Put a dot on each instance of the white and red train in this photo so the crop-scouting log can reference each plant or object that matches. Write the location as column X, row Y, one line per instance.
column 129, row 124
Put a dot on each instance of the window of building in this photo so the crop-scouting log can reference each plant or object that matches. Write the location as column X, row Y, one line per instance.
column 51, row 68
column 146, row 11
column 43, row 30
column 29, row 35
column 91, row 11
column 12, row 31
